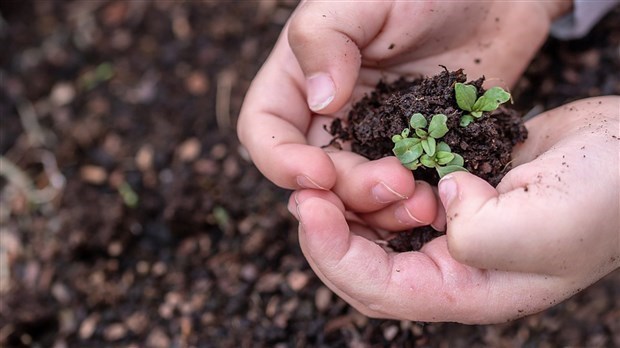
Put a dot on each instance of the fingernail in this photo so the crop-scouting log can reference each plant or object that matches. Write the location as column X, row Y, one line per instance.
column 384, row 194
column 404, row 216
column 299, row 216
column 447, row 190
column 305, row 182
column 321, row 91
column 292, row 206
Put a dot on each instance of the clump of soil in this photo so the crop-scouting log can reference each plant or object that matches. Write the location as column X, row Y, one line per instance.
column 485, row 144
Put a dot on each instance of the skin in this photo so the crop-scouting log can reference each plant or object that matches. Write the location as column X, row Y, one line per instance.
column 421, row 35
column 344, row 201
column 549, row 230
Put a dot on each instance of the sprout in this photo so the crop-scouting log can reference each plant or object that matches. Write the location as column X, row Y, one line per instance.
column 423, row 148
column 489, row 101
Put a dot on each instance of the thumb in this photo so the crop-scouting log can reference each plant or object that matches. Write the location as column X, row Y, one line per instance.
column 326, row 39
column 492, row 230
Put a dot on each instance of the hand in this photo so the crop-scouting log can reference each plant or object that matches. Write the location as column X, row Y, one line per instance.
column 331, row 53
column 550, row 229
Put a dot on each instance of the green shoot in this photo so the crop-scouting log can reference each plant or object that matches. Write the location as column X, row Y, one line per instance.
column 423, row 148
column 467, row 100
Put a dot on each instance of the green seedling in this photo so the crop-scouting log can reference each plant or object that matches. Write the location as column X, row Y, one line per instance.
column 421, row 148
column 489, row 101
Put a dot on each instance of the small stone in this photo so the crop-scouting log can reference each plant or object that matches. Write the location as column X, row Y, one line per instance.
column 390, row 332
column 62, row 93
column 322, row 298
column 142, row 267
column 87, row 328
column 144, row 157
column 137, row 322
column 189, row 150
column 93, row 174
column 159, row 268
column 297, row 280
column 158, row 339
column 249, row 272
column 61, row 293
column 115, row 332
column 166, row 311
column 197, row 83
column 115, row 248
column 269, row 282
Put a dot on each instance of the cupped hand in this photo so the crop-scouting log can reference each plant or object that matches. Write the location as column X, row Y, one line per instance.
column 550, row 229
column 332, row 53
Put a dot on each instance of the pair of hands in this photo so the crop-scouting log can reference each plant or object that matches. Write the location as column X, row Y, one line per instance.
column 548, row 230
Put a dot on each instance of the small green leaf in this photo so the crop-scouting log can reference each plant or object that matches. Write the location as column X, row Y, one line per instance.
column 443, row 171
column 130, row 197
column 429, row 145
column 442, row 146
column 457, row 160
column 428, row 161
column 466, row 120
column 412, row 165
column 444, row 158
column 408, row 150
column 396, row 138
column 421, row 133
column 498, row 95
column 405, row 133
column 438, row 128
column 465, row 96
column 476, row 114
column 491, row 99
column 417, row 121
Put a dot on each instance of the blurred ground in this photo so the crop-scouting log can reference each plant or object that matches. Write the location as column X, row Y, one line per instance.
column 133, row 218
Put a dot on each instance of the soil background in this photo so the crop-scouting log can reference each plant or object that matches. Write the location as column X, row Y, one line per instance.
column 134, row 219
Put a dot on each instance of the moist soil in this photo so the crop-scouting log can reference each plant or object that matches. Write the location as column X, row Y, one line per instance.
column 485, row 144
column 117, row 97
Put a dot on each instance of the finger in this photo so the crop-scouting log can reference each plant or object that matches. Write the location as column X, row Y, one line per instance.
column 424, row 286
column 366, row 186
column 326, row 40
column 549, row 209
column 419, row 210
column 299, row 196
column 537, row 226
column 272, row 126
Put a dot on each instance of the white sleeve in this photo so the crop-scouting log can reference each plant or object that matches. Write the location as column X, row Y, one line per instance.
column 586, row 13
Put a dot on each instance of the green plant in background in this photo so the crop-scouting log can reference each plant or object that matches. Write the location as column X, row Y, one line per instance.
column 467, row 100
column 421, row 148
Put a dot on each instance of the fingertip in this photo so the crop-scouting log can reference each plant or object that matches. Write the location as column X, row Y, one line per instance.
column 464, row 197
column 299, row 166
column 323, row 232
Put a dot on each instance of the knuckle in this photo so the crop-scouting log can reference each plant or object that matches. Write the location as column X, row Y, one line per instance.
column 301, row 30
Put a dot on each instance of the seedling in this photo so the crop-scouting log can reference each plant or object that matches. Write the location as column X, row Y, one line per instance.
column 422, row 148
column 489, row 101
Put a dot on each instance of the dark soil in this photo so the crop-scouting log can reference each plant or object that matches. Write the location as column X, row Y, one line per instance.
column 485, row 144
column 208, row 256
